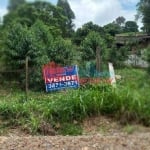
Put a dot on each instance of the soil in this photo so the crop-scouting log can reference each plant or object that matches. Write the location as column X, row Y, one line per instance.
column 99, row 133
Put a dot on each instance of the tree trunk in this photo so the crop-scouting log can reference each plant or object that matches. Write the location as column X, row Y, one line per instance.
column 98, row 59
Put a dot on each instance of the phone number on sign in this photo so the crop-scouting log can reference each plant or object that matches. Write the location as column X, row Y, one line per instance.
column 60, row 85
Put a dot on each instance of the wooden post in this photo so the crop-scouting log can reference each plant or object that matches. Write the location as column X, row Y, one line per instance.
column 26, row 77
column 98, row 59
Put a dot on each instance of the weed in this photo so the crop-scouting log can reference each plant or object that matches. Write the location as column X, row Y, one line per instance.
column 129, row 129
column 128, row 102
column 70, row 129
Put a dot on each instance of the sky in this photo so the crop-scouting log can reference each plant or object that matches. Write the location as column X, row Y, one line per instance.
column 100, row 12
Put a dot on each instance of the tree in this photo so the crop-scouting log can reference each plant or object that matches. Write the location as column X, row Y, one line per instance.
column 69, row 14
column 35, row 30
column 14, row 4
column 93, row 48
column 21, row 42
column 131, row 26
column 39, row 45
column 113, row 29
column 82, row 32
column 144, row 12
column 62, row 51
column 29, row 13
column 120, row 20
column 118, row 55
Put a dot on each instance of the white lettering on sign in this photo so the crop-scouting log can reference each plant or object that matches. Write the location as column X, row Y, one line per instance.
column 63, row 78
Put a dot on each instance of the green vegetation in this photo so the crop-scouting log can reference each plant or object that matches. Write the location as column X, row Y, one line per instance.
column 129, row 129
column 44, row 32
column 143, row 12
column 47, row 34
column 64, row 111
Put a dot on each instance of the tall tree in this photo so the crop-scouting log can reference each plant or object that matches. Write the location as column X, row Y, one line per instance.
column 131, row 26
column 82, row 32
column 144, row 12
column 120, row 20
column 21, row 42
column 94, row 48
column 69, row 14
column 29, row 13
column 13, row 4
column 113, row 28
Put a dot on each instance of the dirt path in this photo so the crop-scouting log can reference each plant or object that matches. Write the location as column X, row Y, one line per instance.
column 92, row 142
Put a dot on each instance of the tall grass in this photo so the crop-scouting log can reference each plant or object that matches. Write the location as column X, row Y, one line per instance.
column 126, row 102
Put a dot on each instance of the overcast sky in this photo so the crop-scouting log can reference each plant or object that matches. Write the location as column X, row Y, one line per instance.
column 100, row 12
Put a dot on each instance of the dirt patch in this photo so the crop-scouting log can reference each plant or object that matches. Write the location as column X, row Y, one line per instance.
column 99, row 133
column 108, row 126
column 95, row 142
column 102, row 125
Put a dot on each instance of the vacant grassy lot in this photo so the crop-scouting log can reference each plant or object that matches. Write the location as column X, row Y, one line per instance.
column 62, row 112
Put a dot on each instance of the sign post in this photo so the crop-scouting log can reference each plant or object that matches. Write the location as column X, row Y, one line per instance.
column 112, row 74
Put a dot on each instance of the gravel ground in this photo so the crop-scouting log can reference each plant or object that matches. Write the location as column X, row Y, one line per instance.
column 140, row 141
column 99, row 133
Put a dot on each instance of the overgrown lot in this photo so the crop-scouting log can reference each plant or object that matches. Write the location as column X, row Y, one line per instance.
column 62, row 112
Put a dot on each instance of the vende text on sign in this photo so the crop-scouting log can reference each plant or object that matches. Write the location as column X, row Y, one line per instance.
column 60, row 77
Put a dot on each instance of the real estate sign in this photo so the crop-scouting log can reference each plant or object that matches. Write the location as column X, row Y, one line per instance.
column 57, row 78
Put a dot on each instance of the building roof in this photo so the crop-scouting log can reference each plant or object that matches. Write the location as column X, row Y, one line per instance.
column 131, row 37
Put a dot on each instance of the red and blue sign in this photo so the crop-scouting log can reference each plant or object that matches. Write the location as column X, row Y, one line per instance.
column 58, row 78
